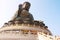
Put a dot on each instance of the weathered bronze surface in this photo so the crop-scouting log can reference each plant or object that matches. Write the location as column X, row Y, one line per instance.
column 23, row 14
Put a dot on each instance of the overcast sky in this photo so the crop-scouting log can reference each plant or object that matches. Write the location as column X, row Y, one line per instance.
column 45, row 10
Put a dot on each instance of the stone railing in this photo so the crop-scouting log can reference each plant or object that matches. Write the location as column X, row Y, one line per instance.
column 26, row 27
column 47, row 37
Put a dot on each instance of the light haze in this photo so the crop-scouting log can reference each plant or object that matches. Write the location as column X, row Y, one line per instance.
column 45, row 10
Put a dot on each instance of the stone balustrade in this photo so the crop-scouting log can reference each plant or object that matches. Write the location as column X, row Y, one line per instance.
column 47, row 37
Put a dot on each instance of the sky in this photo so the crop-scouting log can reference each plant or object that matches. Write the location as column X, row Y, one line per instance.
column 45, row 10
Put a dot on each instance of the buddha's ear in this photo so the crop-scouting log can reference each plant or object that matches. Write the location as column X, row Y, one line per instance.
column 20, row 6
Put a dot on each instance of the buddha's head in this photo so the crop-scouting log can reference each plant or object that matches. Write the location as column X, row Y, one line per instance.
column 26, row 5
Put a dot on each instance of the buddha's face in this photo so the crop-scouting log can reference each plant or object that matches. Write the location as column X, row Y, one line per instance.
column 26, row 5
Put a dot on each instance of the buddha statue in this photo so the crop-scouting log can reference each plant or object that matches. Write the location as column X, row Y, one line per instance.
column 23, row 15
